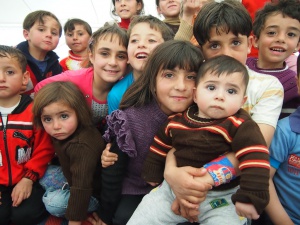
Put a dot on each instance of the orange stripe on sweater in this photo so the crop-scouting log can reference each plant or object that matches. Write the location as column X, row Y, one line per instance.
column 157, row 151
column 251, row 149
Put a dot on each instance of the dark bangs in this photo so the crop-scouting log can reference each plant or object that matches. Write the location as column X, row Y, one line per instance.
column 185, row 58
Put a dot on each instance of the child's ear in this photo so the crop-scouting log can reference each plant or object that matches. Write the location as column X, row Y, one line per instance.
column 244, row 100
column 195, row 94
column 158, row 10
column 251, row 41
column 91, row 57
column 139, row 6
column 26, row 76
column 26, row 34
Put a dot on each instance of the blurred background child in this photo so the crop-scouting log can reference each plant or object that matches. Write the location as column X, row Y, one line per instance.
column 77, row 35
column 170, row 10
column 42, row 31
column 126, row 9
column 276, row 30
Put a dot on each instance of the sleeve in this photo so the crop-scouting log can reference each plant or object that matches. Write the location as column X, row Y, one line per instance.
column 112, row 180
column 266, row 94
column 113, row 101
column 154, row 164
column 60, row 77
column 252, row 152
column 83, row 161
column 185, row 31
column 42, row 154
column 282, row 142
column 118, row 127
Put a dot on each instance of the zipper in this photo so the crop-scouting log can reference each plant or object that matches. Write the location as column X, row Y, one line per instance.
column 7, row 153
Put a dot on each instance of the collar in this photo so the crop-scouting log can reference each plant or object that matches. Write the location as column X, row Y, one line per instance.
column 124, row 23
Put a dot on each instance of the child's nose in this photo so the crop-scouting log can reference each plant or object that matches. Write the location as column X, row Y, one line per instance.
column 56, row 124
column 2, row 77
column 180, row 85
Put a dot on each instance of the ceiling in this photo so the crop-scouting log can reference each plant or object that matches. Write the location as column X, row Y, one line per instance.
column 95, row 12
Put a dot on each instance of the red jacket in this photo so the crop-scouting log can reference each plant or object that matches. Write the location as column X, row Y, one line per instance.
column 24, row 150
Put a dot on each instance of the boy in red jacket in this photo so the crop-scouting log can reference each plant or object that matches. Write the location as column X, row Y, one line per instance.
column 24, row 150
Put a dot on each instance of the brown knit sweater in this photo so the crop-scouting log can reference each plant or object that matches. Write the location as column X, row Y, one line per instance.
column 198, row 141
column 79, row 156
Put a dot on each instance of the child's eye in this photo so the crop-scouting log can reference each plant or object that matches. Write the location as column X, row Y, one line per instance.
column 80, row 34
column 69, row 34
column 232, row 91
column 191, row 77
column 236, row 43
column 10, row 72
column 291, row 34
column 152, row 41
column 46, row 119
column 54, row 33
column 104, row 53
column 64, row 116
column 271, row 33
column 214, row 46
column 211, row 87
column 41, row 29
column 133, row 41
column 122, row 56
column 168, row 75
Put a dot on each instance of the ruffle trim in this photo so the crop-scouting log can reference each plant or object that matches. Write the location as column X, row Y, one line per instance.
column 118, row 127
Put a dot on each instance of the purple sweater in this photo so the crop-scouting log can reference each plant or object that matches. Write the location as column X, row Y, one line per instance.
column 135, row 128
column 288, row 79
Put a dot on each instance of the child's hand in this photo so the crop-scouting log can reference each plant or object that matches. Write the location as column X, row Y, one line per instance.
column 190, row 214
column 21, row 191
column 74, row 222
column 190, row 8
column 108, row 158
column 95, row 220
column 246, row 210
column 153, row 184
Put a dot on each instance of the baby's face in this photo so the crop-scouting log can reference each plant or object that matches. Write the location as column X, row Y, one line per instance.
column 220, row 96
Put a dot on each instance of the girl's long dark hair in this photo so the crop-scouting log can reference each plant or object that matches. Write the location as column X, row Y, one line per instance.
column 168, row 55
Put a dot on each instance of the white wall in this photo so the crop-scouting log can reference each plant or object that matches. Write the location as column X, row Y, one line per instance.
column 95, row 12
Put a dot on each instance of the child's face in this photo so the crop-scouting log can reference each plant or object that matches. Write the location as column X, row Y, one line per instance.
column 278, row 39
column 78, row 39
column 43, row 37
column 11, row 81
column 237, row 47
column 174, row 90
column 143, row 39
column 59, row 120
column 169, row 8
column 219, row 97
column 126, row 9
column 109, row 59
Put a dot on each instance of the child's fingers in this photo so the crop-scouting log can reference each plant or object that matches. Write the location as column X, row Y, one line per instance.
column 18, row 199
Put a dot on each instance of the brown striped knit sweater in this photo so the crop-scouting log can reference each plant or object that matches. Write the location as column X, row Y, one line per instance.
column 198, row 141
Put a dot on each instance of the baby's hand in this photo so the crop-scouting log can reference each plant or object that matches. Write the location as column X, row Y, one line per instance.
column 191, row 214
column 246, row 210
column 108, row 158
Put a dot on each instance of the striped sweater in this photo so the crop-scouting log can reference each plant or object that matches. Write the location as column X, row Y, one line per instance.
column 198, row 141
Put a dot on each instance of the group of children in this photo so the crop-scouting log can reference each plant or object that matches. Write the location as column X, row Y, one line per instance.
column 173, row 108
